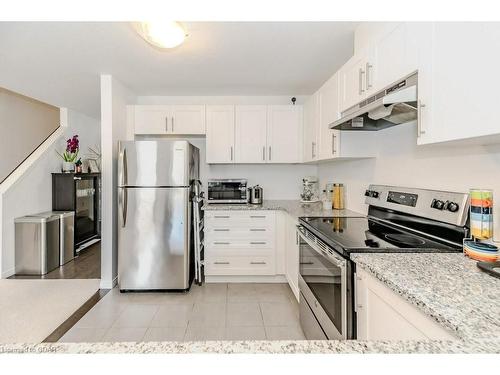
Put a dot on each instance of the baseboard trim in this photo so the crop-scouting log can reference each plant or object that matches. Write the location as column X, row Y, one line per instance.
column 8, row 273
column 108, row 284
column 246, row 279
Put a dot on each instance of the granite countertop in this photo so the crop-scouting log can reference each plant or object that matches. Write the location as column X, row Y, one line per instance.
column 292, row 207
column 264, row 347
column 447, row 287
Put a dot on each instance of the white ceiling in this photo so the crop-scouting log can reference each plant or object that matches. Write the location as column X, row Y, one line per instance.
column 60, row 63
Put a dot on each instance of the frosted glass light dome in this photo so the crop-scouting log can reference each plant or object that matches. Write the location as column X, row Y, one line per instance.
column 161, row 34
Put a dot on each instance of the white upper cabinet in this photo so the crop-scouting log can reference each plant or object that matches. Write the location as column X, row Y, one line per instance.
column 329, row 140
column 284, row 134
column 311, row 128
column 458, row 91
column 169, row 119
column 220, row 134
column 251, row 134
column 151, row 119
column 395, row 56
column 188, row 119
column 356, row 78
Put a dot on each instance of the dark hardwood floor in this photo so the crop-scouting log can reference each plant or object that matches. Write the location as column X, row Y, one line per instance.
column 86, row 266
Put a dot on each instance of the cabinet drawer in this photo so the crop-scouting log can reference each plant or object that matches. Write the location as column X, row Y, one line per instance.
column 239, row 243
column 239, row 265
column 239, row 233
column 240, row 218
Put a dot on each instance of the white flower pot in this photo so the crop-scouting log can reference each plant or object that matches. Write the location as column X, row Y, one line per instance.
column 68, row 167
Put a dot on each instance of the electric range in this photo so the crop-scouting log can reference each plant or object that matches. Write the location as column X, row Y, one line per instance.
column 399, row 220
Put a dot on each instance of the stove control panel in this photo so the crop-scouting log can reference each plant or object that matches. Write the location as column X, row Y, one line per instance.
column 445, row 206
column 372, row 193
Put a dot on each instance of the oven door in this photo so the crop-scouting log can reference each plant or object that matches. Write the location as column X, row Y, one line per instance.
column 228, row 191
column 323, row 286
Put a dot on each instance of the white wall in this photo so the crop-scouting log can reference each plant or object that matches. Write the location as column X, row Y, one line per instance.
column 114, row 100
column 454, row 167
column 32, row 192
column 25, row 123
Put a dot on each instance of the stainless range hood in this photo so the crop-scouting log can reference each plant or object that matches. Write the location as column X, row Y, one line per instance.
column 396, row 104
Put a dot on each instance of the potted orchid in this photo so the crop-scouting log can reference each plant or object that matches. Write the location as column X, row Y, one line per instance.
column 70, row 155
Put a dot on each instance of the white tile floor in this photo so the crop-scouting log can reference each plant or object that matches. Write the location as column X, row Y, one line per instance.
column 210, row 312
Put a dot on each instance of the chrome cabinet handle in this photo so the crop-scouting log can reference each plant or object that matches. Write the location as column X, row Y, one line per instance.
column 77, row 178
column 222, row 243
column 257, row 217
column 420, row 130
column 172, row 124
column 221, row 217
column 221, row 263
column 257, row 242
column 231, row 153
column 368, row 67
column 257, row 230
column 308, row 263
column 166, row 124
column 258, row 263
column 313, row 150
column 334, row 137
column 221, row 230
column 360, row 82
column 269, row 152
column 263, row 153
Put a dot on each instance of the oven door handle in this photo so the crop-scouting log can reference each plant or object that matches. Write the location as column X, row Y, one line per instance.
column 335, row 259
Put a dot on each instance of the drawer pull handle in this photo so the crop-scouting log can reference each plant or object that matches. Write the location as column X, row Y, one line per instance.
column 257, row 230
column 221, row 230
column 258, row 263
column 258, row 243
column 257, row 216
column 306, row 262
column 221, row 217
column 222, row 243
column 221, row 262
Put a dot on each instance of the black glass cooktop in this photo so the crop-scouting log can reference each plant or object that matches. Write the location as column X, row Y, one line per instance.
column 364, row 235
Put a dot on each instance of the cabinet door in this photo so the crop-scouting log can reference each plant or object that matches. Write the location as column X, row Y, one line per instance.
column 284, row 129
column 353, row 81
column 151, row 119
column 220, row 134
column 384, row 315
column 292, row 255
column 329, row 139
column 395, row 57
column 187, row 119
column 250, row 134
column 465, row 61
column 311, row 127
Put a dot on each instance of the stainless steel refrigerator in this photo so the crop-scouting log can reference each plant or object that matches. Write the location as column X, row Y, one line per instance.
column 155, row 245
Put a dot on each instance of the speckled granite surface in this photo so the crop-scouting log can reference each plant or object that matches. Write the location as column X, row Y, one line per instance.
column 293, row 207
column 271, row 347
column 447, row 287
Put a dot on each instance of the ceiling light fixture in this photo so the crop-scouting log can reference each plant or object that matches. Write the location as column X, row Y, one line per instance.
column 161, row 34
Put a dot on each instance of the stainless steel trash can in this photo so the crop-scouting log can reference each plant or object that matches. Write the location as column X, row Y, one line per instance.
column 67, row 234
column 37, row 244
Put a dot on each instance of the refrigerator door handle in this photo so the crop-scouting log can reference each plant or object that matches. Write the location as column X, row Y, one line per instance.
column 123, row 204
column 123, row 162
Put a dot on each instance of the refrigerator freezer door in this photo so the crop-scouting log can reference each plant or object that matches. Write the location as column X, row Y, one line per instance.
column 155, row 163
column 154, row 245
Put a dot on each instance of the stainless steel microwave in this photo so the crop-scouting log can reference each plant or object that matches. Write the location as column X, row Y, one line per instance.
column 228, row 191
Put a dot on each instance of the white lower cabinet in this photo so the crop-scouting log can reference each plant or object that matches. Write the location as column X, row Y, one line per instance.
column 240, row 243
column 384, row 315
